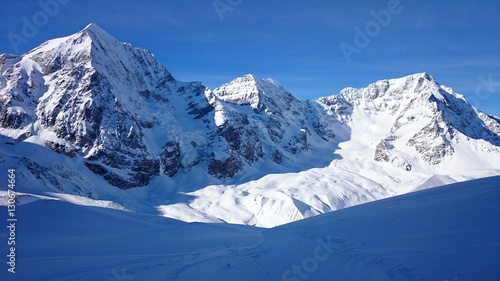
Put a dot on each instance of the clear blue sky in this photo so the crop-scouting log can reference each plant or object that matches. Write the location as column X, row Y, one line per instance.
column 313, row 48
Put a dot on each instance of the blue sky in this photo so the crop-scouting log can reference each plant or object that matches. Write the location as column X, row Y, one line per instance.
column 313, row 48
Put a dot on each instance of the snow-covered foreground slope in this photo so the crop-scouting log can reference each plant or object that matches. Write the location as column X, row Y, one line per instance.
column 445, row 233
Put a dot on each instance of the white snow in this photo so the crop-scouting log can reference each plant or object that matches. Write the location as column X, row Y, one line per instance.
column 426, row 134
column 444, row 233
column 352, row 177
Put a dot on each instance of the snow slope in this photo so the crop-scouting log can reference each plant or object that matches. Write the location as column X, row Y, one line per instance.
column 445, row 233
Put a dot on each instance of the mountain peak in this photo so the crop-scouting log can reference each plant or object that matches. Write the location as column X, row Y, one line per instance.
column 80, row 42
column 252, row 79
column 421, row 77
column 248, row 79
column 97, row 34
column 424, row 75
column 249, row 76
column 92, row 26
column 421, row 84
column 248, row 89
column 241, row 90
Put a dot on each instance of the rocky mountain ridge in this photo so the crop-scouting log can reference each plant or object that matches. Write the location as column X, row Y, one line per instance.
column 114, row 105
column 421, row 115
column 88, row 115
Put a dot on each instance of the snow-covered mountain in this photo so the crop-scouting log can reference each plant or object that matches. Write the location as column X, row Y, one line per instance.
column 87, row 115
column 89, row 96
column 415, row 119
column 395, row 136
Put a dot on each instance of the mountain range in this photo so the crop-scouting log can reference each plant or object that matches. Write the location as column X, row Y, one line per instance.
column 94, row 121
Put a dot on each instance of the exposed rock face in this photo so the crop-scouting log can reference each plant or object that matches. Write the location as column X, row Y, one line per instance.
column 419, row 115
column 90, row 96
column 224, row 168
column 170, row 158
column 268, row 114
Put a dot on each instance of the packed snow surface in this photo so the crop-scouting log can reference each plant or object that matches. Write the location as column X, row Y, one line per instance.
column 445, row 233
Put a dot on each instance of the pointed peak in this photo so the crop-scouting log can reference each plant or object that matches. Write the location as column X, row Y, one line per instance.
column 419, row 74
column 412, row 77
column 419, row 79
column 96, row 33
column 248, row 89
column 258, row 82
column 91, row 34
column 246, row 78
column 92, row 26
column 424, row 75
column 250, row 75
column 248, row 81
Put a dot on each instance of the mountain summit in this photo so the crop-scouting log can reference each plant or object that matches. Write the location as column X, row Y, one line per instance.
column 89, row 115
column 415, row 114
column 117, row 108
